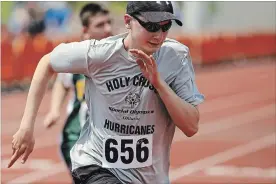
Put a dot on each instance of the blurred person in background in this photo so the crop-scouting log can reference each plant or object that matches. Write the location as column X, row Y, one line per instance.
column 19, row 19
column 139, row 87
column 39, row 17
column 37, row 23
column 57, row 16
column 96, row 23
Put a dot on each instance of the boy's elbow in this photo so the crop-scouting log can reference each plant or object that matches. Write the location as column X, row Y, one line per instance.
column 191, row 131
column 45, row 60
column 193, row 128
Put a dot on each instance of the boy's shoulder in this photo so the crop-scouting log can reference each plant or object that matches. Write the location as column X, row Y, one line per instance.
column 109, row 41
column 174, row 47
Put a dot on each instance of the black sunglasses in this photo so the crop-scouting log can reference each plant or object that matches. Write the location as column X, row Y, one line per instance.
column 152, row 26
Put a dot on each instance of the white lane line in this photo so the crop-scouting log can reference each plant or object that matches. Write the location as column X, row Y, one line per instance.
column 238, row 172
column 39, row 175
column 229, row 122
column 36, row 164
column 221, row 157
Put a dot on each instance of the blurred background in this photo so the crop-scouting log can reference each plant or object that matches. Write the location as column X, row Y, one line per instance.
column 214, row 31
column 233, row 47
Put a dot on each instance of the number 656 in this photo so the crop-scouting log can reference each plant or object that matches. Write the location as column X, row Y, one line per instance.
column 127, row 146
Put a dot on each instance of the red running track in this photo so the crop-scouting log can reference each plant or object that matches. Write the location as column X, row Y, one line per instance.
column 235, row 143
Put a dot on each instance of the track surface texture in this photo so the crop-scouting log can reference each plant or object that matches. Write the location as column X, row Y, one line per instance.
column 235, row 142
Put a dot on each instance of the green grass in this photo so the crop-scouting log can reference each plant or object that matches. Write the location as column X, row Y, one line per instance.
column 6, row 9
column 116, row 7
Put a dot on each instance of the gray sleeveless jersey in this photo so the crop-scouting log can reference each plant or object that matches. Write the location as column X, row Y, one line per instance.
column 129, row 129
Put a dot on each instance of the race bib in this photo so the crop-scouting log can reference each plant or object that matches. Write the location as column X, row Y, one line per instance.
column 127, row 151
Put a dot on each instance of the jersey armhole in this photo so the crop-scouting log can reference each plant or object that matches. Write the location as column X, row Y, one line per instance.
column 87, row 63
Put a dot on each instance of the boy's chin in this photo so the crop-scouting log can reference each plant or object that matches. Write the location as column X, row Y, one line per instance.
column 150, row 50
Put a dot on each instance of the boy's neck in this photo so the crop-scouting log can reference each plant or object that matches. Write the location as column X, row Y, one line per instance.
column 127, row 43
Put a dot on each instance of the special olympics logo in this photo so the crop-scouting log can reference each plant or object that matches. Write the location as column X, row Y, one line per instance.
column 132, row 99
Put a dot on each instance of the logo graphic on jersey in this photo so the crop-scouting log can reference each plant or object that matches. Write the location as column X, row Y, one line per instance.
column 123, row 82
column 133, row 99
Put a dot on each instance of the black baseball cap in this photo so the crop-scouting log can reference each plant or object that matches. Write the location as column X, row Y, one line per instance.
column 153, row 11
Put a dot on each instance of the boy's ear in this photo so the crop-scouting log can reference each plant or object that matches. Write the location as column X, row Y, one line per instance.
column 84, row 29
column 127, row 19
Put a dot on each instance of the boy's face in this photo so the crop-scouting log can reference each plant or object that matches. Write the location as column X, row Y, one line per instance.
column 142, row 39
column 99, row 27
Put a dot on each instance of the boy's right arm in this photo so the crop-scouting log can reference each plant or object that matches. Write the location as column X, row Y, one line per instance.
column 74, row 57
column 23, row 140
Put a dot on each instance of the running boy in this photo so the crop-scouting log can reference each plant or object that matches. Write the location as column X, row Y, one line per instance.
column 96, row 24
column 139, row 86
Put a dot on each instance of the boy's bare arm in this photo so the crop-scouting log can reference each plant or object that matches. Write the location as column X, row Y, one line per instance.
column 184, row 115
column 23, row 141
column 37, row 90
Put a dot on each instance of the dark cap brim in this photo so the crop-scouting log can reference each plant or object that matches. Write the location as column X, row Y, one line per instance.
column 160, row 16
